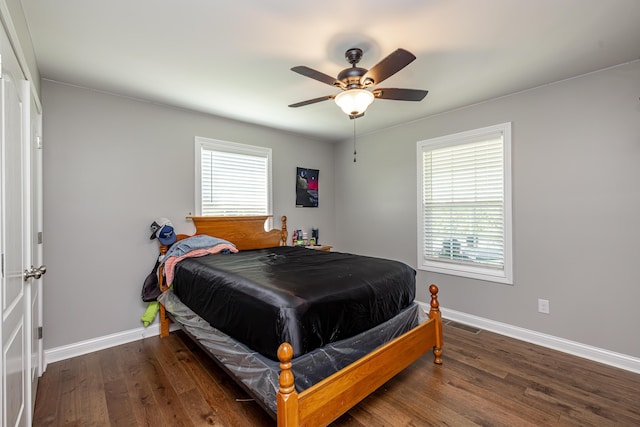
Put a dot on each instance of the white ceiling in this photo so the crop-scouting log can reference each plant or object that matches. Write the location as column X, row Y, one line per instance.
column 233, row 59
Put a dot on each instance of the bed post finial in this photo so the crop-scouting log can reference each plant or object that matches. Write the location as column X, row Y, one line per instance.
column 434, row 313
column 287, row 398
column 435, row 305
column 283, row 231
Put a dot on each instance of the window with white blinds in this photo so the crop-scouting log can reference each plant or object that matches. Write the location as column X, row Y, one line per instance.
column 464, row 219
column 232, row 179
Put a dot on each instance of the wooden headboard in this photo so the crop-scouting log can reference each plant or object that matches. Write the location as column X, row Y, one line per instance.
column 246, row 232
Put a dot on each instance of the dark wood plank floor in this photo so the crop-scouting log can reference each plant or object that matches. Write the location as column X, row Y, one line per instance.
column 486, row 379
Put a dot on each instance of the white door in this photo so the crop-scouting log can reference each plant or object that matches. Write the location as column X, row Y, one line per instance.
column 15, row 241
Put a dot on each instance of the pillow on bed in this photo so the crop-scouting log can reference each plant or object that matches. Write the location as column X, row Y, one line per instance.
column 196, row 242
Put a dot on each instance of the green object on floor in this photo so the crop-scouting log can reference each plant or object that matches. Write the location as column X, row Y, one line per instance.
column 150, row 313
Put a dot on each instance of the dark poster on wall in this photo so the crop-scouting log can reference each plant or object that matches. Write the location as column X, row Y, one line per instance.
column 307, row 188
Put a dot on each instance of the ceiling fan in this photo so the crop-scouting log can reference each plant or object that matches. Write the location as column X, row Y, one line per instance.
column 357, row 83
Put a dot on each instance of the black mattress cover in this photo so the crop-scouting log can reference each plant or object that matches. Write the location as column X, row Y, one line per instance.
column 305, row 297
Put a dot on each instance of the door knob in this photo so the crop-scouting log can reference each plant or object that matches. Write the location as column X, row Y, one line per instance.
column 35, row 272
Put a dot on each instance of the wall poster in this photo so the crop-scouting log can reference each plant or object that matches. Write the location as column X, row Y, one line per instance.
column 307, row 188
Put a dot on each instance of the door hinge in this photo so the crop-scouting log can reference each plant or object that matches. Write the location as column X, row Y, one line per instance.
column 39, row 142
column 39, row 332
column 39, row 237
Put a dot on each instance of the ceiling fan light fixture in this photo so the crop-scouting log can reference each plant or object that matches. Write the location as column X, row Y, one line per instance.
column 354, row 101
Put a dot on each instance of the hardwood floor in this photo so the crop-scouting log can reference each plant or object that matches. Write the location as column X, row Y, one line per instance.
column 486, row 379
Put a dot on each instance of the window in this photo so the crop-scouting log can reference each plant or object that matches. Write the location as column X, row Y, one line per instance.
column 232, row 179
column 464, row 204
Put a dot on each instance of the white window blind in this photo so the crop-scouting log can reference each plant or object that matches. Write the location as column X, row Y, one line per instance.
column 465, row 215
column 232, row 179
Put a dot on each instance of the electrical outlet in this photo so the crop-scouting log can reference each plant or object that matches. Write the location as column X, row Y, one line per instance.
column 543, row 306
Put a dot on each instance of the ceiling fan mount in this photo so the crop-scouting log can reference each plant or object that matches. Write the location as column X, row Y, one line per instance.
column 351, row 76
column 355, row 82
column 353, row 55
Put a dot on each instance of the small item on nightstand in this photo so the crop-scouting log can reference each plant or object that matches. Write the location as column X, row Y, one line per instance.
column 325, row 248
column 305, row 238
column 312, row 241
column 314, row 234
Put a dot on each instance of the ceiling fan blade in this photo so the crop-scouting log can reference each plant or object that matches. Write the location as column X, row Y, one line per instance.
column 317, row 75
column 400, row 94
column 390, row 65
column 312, row 101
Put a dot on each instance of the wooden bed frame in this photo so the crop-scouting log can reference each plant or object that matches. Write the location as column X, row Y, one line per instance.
column 327, row 400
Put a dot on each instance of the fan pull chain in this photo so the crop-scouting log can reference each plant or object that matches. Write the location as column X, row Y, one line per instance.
column 354, row 140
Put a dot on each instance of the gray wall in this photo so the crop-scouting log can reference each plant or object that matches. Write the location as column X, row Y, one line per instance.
column 576, row 200
column 113, row 165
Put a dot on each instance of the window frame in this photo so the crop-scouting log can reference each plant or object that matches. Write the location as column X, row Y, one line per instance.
column 466, row 269
column 230, row 147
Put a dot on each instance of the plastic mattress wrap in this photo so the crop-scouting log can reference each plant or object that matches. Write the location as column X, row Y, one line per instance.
column 260, row 374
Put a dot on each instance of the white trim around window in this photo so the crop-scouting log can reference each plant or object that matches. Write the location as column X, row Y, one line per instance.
column 232, row 179
column 464, row 204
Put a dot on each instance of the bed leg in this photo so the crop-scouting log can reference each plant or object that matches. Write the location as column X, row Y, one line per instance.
column 164, row 322
column 287, row 398
column 434, row 313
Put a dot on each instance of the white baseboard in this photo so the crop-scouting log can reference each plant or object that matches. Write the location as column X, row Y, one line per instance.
column 596, row 354
column 611, row 358
column 89, row 346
